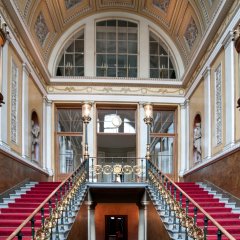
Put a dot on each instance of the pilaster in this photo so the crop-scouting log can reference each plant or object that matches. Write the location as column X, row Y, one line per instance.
column 229, row 90
column 47, row 136
column 25, row 119
column 207, row 143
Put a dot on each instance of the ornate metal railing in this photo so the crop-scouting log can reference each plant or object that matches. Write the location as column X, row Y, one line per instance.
column 117, row 169
column 171, row 198
column 58, row 205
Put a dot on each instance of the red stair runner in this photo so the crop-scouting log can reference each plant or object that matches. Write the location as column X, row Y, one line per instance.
column 223, row 215
column 17, row 212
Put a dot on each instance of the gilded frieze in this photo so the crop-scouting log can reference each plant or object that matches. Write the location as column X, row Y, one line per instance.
column 116, row 90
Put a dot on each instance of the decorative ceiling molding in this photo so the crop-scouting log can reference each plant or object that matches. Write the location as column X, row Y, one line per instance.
column 214, row 41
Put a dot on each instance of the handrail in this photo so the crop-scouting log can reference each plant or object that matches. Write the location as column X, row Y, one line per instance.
column 28, row 219
column 223, row 230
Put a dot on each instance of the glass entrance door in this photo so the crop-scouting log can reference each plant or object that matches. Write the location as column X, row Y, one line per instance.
column 163, row 141
column 69, row 129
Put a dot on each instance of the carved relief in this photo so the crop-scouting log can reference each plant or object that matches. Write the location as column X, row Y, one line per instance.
column 41, row 28
column 162, row 4
column 218, row 105
column 71, row 3
column 14, row 102
column 191, row 33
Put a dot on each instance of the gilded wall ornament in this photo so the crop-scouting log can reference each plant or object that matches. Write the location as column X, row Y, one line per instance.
column 71, row 3
column 191, row 33
column 41, row 28
column 162, row 4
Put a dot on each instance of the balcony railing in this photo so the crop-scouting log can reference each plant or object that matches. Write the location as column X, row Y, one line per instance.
column 117, row 169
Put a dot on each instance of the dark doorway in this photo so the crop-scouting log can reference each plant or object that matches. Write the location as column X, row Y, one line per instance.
column 116, row 227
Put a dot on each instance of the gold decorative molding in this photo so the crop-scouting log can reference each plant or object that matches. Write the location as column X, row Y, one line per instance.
column 142, row 91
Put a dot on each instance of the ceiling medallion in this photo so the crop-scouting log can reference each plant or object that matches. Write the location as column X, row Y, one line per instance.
column 116, row 121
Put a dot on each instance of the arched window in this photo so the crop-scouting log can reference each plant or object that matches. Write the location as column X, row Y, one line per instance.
column 71, row 61
column 116, row 48
column 161, row 64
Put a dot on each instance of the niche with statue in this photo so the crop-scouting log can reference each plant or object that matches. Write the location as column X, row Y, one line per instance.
column 197, row 139
column 35, row 137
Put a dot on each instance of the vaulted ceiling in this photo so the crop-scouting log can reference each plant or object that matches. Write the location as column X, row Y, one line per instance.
column 185, row 21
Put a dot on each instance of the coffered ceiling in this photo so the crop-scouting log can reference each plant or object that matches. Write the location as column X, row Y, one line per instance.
column 185, row 21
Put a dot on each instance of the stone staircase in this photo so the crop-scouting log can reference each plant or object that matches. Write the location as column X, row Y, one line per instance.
column 214, row 203
column 15, row 208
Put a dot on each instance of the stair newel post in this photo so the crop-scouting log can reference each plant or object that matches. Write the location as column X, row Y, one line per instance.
column 187, row 206
column 141, row 170
column 42, row 217
column 158, row 191
column 166, row 205
column 92, row 169
column 132, row 171
column 205, row 227
column 50, row 215
column 102, row 161
column 179, row 223
column 169, row 207
column 219, row 235
column 162, row 180
column 33, row 227
column 20, row 236
column 70, row 200
column 174, row 210
column 123, row 174
column 195, row 214
column 56, row 209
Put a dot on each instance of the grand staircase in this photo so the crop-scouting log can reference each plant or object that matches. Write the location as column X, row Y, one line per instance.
column 46, row 210
column 43, row 210
column 192, row 210
column 19, row 206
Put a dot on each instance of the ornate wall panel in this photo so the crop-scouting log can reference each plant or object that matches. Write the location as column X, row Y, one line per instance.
column 218, row 105
column 14, row 103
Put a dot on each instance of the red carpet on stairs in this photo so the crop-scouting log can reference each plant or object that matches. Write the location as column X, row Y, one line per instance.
column 223, row 215
column 17, row 212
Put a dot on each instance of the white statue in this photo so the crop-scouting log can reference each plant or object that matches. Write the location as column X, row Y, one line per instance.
column 35, row 141
column 197, row 149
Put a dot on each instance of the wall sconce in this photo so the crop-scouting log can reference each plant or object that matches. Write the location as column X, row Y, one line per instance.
column 236, row 38
column 148, row 108
column 3, row 33
column 1, row 100
column 86, row 109
column 238, row 103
